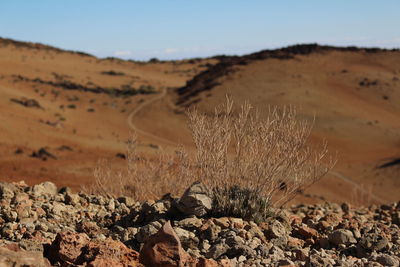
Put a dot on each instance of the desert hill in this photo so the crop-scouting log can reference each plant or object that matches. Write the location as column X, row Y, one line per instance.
column 63, row 110
column 354, row 93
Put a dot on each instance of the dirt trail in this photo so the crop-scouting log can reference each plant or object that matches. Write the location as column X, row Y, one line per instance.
column 138, row 109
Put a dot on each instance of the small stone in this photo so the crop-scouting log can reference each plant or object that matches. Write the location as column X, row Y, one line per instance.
column 211, row 232
column 306, row 232
column 372, row 242
column 342, row 236
column 387, row 260
column 345, row 207
column 205, row 246
column 146, row 231
column 11, row 216
column 128, row 201
column 217, row 250
column 276, row 229
column 111, row 205
column 262, row 250
column 285, row 262
column 242, row 258
column 20, row 197
column 192, row 222
column 195, row 200
column 237, row 223
column 72, row 199
column 294, row 242
column 222, row 222
column 188, row 239
column 44, row 189
column 7, row 190
column 301, row 254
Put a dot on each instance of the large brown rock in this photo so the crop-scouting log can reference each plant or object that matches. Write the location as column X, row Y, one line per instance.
column 13, row 256
column 67, row 247
column 73, row 248
column 164, row 249
column 109, row 253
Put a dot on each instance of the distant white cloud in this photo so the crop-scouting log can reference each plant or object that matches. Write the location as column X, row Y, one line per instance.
column 122, row 53
column 171, row 50
column 365, row 41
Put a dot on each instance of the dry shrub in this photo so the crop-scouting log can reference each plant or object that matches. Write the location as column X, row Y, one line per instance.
column 248, row 162
column 144, row 177
column 268, row 157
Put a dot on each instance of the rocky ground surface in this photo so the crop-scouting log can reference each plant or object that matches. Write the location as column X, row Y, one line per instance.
column 46, row 226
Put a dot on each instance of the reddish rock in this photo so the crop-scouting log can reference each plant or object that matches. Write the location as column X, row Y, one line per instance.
column 89, row 228
column 225, row 263
column 295, row 242
column 333, row 219
column 237, row 223
column 295, row 220
column 20, row 184
column 323, row 225
column 305, row 232
column 301, row 254
column 73, row 248
column 101, row 262
column 67, row 247
column 164, row 249
column 40, row 212
column 203, row 262
column 37, row 236
column 13, row 256
column 223, row 222
column 109, row 253
column 310, row 218
column 12, row 246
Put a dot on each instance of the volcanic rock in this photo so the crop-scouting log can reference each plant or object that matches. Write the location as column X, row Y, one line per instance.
column 195, row 200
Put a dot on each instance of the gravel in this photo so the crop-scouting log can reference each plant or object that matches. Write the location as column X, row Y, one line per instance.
column 303, row 235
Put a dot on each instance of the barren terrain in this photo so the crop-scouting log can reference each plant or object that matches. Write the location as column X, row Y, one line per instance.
column 61, row 111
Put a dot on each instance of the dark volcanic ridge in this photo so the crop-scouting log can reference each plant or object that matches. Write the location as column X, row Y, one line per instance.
column 391, row 163
column 207, row 79
column 68, row 85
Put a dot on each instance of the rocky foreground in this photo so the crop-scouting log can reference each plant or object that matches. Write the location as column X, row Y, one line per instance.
column 45, row 226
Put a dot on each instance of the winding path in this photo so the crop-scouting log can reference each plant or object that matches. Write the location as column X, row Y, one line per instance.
column 134, row 112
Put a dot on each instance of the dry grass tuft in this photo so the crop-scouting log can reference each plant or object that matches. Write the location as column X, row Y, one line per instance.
column 144, row 177
column 269, row 156
column 235, row 152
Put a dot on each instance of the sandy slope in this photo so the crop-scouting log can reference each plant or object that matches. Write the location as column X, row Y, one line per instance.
column 355, row 94
column 97, row 127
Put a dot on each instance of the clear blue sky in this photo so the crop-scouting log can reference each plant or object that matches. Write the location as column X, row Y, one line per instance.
column 170, row 29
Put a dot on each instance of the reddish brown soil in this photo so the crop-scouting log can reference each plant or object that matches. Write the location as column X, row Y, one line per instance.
column 354, row 93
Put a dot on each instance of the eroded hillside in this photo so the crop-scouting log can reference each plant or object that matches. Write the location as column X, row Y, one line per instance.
column 64, row 110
